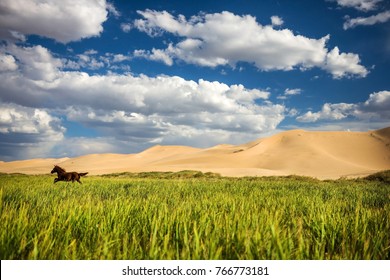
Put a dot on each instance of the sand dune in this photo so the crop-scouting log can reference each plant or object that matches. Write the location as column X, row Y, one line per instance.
column 310, row 153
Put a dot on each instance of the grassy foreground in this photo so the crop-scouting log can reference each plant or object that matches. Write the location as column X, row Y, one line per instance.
column 191, row 215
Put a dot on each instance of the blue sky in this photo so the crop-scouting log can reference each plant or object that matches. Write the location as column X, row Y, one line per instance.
column 82, row 77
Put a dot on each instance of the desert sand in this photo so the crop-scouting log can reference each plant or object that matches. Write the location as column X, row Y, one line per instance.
column 323, row 155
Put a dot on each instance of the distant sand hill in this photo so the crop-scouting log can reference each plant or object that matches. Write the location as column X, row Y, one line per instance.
column 324, row 155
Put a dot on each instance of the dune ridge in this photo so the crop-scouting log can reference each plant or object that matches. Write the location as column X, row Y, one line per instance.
column 324, row 155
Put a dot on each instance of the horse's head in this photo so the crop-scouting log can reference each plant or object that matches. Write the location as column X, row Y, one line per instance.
column 54, row 169
column 57, row 169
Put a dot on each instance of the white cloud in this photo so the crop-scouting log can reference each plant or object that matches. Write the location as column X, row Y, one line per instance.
column 156, row 104
column 344, row 64
column 111, row 9
column 289, row 92
column 276, row 21
column 154, row 55
column 378, row 18
column 64, row 21
column 91, row 52
column 138, row 109
column 341, row 125
column 36, row 63
column 27, row 132
column 328, row 112
column 89, row 61
column 292, row 91
column 375, row 108
column 126, row 27
column 92, row 60
column 377, row 105
column 85, row 145
column 120, row 58
column 226, row 39
column 156, row 22
column 362, row 5
column 7, row 63
column 16, row 35
column 19, row 119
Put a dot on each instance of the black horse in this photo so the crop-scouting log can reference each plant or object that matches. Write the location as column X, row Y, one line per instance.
column 62, row 175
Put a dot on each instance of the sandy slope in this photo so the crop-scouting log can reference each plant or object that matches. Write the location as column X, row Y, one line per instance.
column 318, row 154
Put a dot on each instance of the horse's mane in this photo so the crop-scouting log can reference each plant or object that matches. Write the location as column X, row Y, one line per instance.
column 60, row 168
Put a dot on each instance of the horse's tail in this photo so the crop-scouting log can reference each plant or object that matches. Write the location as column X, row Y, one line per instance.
column 83, row 174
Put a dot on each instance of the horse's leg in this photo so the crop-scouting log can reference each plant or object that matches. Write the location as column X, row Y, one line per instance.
column 57, row 179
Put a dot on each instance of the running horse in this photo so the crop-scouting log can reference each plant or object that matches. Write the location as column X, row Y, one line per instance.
column 62, row 175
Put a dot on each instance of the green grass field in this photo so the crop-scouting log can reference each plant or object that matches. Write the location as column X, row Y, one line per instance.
column 191, row 215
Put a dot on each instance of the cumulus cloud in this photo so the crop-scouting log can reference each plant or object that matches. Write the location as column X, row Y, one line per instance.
column 92, row 60
column 137, row 109
column 343, row 64
column 377, row 105
column 329, row 112
column 19, row 119
column 289, row 92
column 375, row 108
column 362, row 5
column 27, row 131
column 126, row 27
column 371, row 20
column 244, row 39
column 89, row 60
column 154, row 55
column 63, row 21
column 36, row 63
column 7, row 63
column 276, row 21
column 112, row 10
column 86, row 145
column 155, row 104
column 365, row 6
column 292, row 91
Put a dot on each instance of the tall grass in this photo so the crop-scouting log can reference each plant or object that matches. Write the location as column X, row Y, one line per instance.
column 168, row 217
